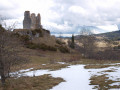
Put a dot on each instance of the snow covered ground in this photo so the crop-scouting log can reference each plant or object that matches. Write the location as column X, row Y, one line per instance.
column 76, row 77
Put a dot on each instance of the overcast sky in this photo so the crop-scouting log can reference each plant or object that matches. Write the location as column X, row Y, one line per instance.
column 66, row 16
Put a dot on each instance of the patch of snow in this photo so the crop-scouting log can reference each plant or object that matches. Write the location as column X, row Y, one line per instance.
column 25, row 70
column 36, row 73
column 61, row 62
column 116, row 83
column 77, row 78
column 43, row 64
column 115, row 76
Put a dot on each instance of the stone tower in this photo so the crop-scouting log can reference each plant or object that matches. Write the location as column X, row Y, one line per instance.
column 31, row 21
column 38, row 21
column 27, row 20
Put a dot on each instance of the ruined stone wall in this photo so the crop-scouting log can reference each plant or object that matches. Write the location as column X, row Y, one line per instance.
column 27, row 20
column 31, row 21
column 38, row 21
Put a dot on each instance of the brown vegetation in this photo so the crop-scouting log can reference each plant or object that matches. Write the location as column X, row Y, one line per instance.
column 102, row 82
column 43, row 82
column 96, row 66
column 9, row 57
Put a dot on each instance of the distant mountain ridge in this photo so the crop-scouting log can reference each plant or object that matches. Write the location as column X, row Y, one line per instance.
column 115, row 35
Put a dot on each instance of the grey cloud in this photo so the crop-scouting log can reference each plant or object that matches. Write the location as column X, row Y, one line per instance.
column 8, row 10
column 104, row 14
column 97, row 12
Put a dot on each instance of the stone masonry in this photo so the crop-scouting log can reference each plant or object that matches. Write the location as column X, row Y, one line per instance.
column 27, row 20
column 31, row 21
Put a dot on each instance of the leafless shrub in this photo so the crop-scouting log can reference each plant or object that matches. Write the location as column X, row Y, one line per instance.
column 106, row 55
column 88, row 42
column 9, row 53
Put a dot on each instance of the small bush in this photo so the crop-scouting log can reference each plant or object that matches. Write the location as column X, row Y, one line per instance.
column 105, row 55
column 46, row 47
column 33, row 32
column 16, row 34
column 25, row 38
column 27, row 32
column 116, row 47
column 46, row 31
column 59, row 42
column 52, row 48
column 1, row 28
column 115, row 43
column 43, row 47
column 64, row 49
column 40, row 46
column 72, row 45
column 38, row 30
column 31, row 45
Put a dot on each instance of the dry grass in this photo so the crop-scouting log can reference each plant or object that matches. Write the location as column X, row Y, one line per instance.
column 105, row 64
column 96, row 66
column 50, row 66
column 50, row 41
column 101, row 44
column 43, row 82
column 109, row 71
column 39, row 57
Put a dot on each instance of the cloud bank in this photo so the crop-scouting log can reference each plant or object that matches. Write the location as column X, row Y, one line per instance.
column 67, row 16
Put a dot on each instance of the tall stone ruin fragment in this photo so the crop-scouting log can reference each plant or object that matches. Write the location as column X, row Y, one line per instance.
column 31, row 21
column 38, row 21
column 27, row 20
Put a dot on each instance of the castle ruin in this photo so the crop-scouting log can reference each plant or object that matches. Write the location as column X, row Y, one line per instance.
column 32, row 26
column 31, row 21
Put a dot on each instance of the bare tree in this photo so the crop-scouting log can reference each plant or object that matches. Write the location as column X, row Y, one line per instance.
column 7, row 26
column 10, row 27
column 88, row 41
column 85, row 31
column 60, row 35
column 9, row 53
